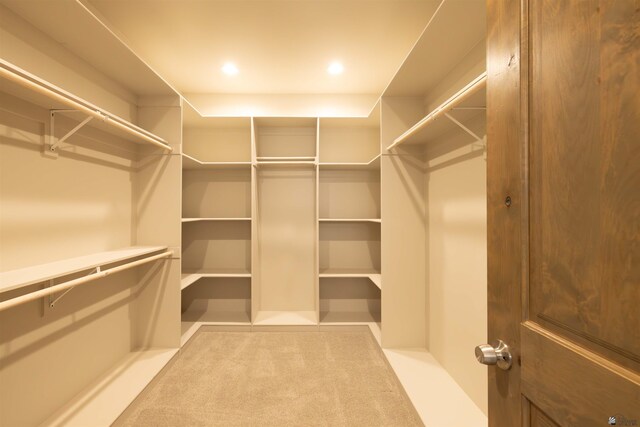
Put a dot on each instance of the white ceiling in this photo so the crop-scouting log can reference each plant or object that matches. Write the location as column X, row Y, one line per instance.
column 280, row 47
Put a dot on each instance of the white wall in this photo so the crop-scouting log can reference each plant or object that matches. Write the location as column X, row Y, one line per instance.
column 457, row 260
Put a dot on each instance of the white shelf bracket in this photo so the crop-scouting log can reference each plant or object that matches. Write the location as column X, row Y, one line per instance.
column 53, row 142
column 466, row 129
column 53, row 302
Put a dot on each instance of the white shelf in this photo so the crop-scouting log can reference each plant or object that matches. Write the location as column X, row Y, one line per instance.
column 15, row 279
column 433, row 392
column 375, row 220
column 189, row 278
column 282, row 318
column 284, row 164
column 191, row 163
column 185, row 220
column 31, row 88
column 470, row 101
column 101, row 403
column 374, row 276
column 373, row 164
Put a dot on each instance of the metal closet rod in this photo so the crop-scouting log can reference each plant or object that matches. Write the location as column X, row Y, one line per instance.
column 80, row 281
column 13, row 73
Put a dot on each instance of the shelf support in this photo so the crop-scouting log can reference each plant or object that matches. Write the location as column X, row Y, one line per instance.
column 53, row 302
column 53, row 142
column 466, row 129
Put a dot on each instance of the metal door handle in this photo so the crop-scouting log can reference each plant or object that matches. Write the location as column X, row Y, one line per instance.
column 496, row 354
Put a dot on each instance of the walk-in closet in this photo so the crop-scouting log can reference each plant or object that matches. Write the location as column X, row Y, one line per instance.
column 313, row 213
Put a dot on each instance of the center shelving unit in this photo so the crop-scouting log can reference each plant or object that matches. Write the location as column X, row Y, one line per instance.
column 281, row 221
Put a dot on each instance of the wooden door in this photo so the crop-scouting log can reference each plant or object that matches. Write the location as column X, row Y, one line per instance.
column 563, row 121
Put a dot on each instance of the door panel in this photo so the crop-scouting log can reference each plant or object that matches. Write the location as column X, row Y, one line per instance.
column 573, row 385
column 585, row 179
column 568, row 130
column 540, row 419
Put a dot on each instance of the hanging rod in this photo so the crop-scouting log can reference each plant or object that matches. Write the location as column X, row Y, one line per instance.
column 29, row 81
column 443, row 108
column 80, row 281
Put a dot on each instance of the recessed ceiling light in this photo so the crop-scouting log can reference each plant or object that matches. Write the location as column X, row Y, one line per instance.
column 230, row 69
column 335, row 68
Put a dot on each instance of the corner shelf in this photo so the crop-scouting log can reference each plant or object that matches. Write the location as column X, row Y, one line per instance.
column 16, row 279
column 191, row 163
column 31, row 88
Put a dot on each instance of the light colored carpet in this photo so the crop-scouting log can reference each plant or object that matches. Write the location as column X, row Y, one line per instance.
column 324, row 378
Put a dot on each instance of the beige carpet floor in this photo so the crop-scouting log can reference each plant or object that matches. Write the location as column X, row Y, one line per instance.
column 325, row 378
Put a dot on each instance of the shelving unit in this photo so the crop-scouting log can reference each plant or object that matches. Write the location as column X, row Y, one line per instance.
column 24, row 85
column 285, row 194
column 217, row 221
column 349, row 237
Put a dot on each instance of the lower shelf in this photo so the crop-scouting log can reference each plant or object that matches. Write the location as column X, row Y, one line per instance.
column 107, row 397
column 375, row 277
column 436, row 396
column 286, row 318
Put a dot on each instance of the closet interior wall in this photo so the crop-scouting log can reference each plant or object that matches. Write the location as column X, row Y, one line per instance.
column 97, row 193
column 434, row 196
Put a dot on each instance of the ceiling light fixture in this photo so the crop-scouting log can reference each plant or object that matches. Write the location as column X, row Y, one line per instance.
column 335, row 68
column 230, row 69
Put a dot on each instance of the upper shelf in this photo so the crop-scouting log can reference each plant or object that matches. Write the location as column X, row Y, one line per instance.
column 191, row 163
column 15, row 279
column 454, row 30
column 468, row 102
column 372, row 164
column 31, row 88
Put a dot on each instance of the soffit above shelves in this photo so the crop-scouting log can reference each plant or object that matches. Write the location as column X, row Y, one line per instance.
column 78, row 29
column 464, row 24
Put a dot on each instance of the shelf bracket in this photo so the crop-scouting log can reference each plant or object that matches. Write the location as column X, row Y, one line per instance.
column 466, row 129
column 53, row 142
column 53, row 302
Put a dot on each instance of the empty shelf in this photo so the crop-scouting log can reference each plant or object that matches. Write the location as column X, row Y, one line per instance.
column 184, row 220
column 286, row 318
column 376, row 220
column 190, row 163
column 374, row 276
column 189, row 278
column 15, row 279
column 372, row 164
column 106, row 398
column 470, row 100
column 31, row 88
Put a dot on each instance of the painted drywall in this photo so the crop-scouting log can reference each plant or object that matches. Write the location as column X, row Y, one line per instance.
column 52, row 209
column 457, row 258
